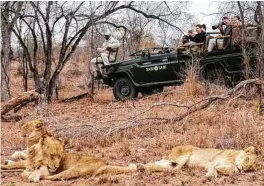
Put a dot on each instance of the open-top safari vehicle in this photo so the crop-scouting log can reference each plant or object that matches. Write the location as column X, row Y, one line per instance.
column 149, row 70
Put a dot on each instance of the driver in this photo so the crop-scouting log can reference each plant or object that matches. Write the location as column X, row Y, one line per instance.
column 107, row 54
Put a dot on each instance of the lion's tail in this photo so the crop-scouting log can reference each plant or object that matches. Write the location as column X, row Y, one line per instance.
column 110, row 169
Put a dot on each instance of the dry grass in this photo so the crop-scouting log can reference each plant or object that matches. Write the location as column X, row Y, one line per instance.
column 192, row 85
column 233, row 123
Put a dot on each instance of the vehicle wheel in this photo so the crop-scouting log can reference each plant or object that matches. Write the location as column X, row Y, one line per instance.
column 124, row 89
column 217, row 76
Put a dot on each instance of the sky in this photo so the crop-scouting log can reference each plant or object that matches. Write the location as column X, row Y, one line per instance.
column 199, row 8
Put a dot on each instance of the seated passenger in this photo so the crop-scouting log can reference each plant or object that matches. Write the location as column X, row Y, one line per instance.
column 204, row 29
column 185, row 39
column 225, row 32
column 199, row 37
column 237, row 20
column 236, row 31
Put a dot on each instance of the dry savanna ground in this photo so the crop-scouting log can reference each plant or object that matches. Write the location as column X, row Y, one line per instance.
column 85, row 126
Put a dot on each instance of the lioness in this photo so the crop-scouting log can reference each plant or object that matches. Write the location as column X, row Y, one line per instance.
column 216, row 161
column 49, row 157
column 33, row 131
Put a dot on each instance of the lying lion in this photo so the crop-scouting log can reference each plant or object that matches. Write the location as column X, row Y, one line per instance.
column 33, row 131
column 216, row 161
column 48, row 159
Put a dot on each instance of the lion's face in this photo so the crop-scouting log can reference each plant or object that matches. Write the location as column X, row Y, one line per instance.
column 52, row 151
column 28, row 127
column 247, row 159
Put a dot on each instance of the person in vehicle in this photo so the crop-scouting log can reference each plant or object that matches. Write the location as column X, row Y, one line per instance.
column 199, row 37
column 185, row 39
column 236, row 31
column 237, row 20
column 224, row 32
column 107, row 54
column 204, row 29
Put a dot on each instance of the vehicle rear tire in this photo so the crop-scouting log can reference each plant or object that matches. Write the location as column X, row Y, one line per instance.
column 124, row 89
column 145, row 91
column 217, row 76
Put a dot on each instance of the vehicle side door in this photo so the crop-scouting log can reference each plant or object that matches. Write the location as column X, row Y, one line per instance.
column 151, row 69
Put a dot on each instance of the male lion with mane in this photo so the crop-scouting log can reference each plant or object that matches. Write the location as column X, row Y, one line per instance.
column 48, row 160
column 33, row 131
column 216, row 161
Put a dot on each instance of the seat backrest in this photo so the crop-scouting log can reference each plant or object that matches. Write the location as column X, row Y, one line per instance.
column 206, row 42
column 111, row 52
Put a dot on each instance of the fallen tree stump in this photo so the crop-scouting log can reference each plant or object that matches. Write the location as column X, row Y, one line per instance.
column 22, row 99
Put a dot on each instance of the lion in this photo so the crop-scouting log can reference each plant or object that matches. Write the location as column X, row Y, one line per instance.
column 216, row 161
column 49, row 160
column 33, row 131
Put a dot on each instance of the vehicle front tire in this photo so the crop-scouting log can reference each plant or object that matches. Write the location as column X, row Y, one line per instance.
column 124, row 89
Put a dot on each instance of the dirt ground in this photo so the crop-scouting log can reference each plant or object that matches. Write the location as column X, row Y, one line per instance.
column 232, row 123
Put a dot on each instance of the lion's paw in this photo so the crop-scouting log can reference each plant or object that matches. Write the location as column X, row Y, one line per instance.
column 132, row 165
column 211, row 175
column 34, row 178
column 16, row 155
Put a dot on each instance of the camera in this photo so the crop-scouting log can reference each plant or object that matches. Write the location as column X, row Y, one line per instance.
column 216, row 26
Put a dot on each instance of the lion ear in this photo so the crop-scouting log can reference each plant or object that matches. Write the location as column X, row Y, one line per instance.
column 251, row 150
column 62, row 141
column 39, row 124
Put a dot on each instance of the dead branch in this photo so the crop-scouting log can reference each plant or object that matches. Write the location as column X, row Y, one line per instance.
column 87, row 94
column 161, row 104
column 25, row 97
column 202, row 104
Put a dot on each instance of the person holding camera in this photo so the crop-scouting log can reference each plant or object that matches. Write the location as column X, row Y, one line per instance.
column 107, row 53
column 199, row 37
column 225, row 32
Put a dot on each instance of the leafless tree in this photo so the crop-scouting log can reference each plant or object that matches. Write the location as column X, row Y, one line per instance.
column 9, row 15
column 259, row 18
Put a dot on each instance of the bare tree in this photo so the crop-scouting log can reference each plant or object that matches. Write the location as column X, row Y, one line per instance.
column 9, row 15
column 259, row 18
column 69, row 22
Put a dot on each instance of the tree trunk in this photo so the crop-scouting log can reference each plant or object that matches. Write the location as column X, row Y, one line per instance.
column 259, row 18
column 5, row 58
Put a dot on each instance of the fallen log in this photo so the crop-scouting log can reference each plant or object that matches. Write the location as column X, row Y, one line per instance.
column 11, row 117
column 22, row 99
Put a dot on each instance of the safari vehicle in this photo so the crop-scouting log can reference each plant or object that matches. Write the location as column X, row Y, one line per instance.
column 149, row 70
